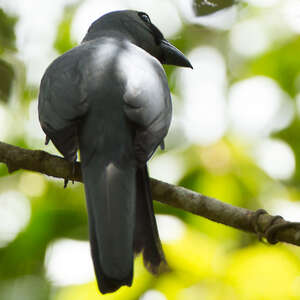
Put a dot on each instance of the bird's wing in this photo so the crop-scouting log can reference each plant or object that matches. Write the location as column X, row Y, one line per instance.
column 147, row 100
column 62, row 102
column 66, row 89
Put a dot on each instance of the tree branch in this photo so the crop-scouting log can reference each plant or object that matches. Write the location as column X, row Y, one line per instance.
column 240, row 218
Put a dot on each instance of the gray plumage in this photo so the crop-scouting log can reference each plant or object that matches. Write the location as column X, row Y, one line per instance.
column 109, row 97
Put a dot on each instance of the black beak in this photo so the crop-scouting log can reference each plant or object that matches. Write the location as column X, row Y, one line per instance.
column 172, row 56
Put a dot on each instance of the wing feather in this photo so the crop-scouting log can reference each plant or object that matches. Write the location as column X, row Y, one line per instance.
column 147, row 99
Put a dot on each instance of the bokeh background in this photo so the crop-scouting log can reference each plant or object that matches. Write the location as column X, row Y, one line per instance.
column 234, row 136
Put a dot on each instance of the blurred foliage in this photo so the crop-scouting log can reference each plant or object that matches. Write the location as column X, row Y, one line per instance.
column 6, row 80
column 290, row 135
column 207, row 260
column 64, row 40
column 7, row 33
column 207, row 7
column 281, row 63
column 7, row 42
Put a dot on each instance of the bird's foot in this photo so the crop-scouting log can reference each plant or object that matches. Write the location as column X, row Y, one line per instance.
column 73, row 170
column 66, row 180
column 271, row 229
column 47, row 140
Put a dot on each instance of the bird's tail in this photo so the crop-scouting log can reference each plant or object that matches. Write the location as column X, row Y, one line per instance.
column 146, row 238
column 110, row 196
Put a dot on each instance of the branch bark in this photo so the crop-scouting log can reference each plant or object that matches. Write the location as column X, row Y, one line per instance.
column 240, row 218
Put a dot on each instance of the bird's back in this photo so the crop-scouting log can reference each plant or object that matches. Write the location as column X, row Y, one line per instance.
column 104, row 78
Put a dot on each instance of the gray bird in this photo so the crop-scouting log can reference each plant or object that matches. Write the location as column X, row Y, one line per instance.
column 110, row 98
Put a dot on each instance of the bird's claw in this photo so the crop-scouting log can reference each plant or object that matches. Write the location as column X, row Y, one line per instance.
column 272, row 228
column 47, row 140
column 73, row 170
column 66, row 180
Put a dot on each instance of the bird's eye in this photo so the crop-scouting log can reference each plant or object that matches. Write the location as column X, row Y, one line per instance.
column 145, row 17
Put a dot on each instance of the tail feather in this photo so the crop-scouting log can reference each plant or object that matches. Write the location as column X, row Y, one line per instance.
column 146, row 238
column 105, row 283
column 110, row 195
column 121, row 219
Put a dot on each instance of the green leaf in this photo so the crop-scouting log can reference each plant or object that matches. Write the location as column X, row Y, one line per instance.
column 6, row 80
column 207, row 7
column 64, row 40
column 282, row 64
column 7, row 31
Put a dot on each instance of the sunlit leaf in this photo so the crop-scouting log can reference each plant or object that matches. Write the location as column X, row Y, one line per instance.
column 262, row 272
column 64, row 40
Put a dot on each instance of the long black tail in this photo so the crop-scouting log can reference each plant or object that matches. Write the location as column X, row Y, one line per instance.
column 146, row 238
column 113, row 195
column 110, row 196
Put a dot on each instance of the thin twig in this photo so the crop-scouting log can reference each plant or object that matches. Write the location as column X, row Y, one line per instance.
column 240, row 218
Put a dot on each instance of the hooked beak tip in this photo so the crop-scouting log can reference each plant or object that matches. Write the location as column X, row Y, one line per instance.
column 173, row 56
column 190, row 66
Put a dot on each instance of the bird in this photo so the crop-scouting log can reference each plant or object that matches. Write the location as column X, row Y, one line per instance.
column 108, row 99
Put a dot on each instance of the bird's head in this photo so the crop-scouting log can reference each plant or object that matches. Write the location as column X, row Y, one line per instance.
column 137, row 27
